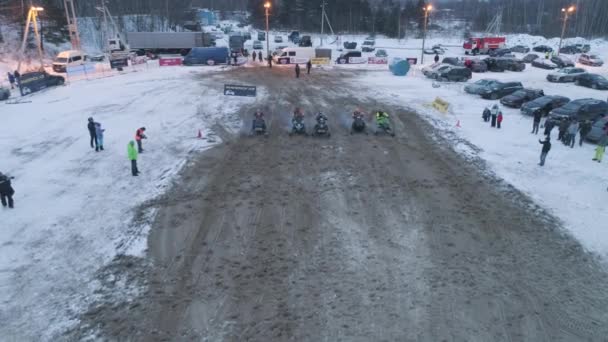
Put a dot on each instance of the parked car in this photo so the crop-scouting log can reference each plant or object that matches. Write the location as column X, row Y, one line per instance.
column 520, row 49
column 565, row 75
column 502, row 64
column 455, row 61
column 257, row 45
column 305, row 41
column 500, row 89
column 520, row 97
column 597, row 129
column 37, row 80
column 592, row 60
column 346, row 58
column 432, row 69
column 381, row 53
column 543, row 48
column 368, row 46
column 454, row 74
column 67, row 59
column 569, row 50
column 529, row 58
column 544, row 64
column 562, row 61
column 480, row 86
column 278, row 39
column 581, row 109
column 583, row 48
column 294, row 37
column 594, row 81
column 476, row 65
column 499, row 52
column 544, row 104
column 5, row 93
column 207, row 56
column 435, row 50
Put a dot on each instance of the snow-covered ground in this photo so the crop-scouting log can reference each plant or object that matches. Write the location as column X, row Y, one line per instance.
column 74, row 206
column 570, row 185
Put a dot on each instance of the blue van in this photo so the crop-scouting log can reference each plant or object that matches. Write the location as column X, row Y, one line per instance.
column 207, row 56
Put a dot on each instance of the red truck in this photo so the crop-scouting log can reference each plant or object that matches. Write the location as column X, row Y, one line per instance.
column 483, row 45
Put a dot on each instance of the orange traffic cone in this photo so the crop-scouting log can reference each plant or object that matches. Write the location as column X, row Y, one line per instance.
column 458, row 124
column 200, row 134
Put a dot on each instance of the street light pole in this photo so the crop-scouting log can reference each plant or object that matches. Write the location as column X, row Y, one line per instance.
column 426, row 9
column 267, row 7
column 566, row 11
column 32, row 17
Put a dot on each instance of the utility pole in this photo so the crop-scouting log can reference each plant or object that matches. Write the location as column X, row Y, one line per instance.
column 70, row 14
column 399, row 24
column 267, row 8
column 426, row 9
column 32, row 17
column 566, row 11
column 322, row 20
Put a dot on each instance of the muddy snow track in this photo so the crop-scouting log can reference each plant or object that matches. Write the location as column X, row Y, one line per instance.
column 352, row 238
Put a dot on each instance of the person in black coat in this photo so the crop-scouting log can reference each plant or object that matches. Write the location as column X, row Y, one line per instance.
column 6, row 191
column 486, row 114
column 585, row 129
column 308, row 67
column 537, row 116
column 254, row 55
column 549, row 127
column 563, row 127
column 546, row 148
column 93, row 134
column 436, row 58
column 297, row 70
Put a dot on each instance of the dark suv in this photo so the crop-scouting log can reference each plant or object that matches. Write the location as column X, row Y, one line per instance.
column 499, row 90
column 594, row 81
column 345, row 57
column 455, row 61
column 519, row 97
column 33, row 81
column 502, row 64
column 455, row 74
column 581, row 109
column 544, row 104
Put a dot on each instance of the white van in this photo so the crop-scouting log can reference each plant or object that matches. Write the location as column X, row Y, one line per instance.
column 293, row 55
column 67, row 59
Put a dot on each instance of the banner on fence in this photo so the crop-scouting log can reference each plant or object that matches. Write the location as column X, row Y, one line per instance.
column 170, row 60
column 83, row 69
column 239, row 90
column 320, row 61
column 377, row 60
column 119, row 63
column 412, row 60
column 356, row 60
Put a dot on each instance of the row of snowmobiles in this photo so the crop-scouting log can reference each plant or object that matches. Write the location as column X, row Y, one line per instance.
column 321, row 128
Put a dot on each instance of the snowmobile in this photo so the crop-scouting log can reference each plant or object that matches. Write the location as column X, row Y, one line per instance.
column 384, row 127
column 259, row 127
column 358, row 125
column 298, row 126
column 321, row 128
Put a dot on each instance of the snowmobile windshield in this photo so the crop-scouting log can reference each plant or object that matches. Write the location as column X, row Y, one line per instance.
column 61, row 60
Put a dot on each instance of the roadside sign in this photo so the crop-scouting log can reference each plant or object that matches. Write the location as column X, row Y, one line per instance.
column 170, row 60
column 239, row 90
column 80, row 69
column 119, row 63
column 377, row 60
column 320, row 61
column 412, row 60
column 441, row 105
column 356, row 60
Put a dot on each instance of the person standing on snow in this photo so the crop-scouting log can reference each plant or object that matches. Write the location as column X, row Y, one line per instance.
column 254, row 55
column 132, row 153
column 139, row 135
column 563, row 127
column 99, row 134
column 6, row 191
column 486, row 115
column 308, row 67
column 11, row 79
column 572, row 131
column 545, row 151
column 537, row 116
column 297, row 70
column 93, row 134
column 549, row 125
column 436, row 59
column 499, row 120
column 599, row 150
column 494, row 114
column 585, row 129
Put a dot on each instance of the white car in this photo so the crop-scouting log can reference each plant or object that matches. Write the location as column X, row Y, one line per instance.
column 433, row 68
column 592, row 60
column 565, row 75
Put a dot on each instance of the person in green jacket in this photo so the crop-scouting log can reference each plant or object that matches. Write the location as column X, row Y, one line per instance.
column 132, row 152
column 599, row 152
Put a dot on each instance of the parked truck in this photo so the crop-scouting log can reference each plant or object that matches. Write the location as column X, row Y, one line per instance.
column 168, row 42
column 236, row 43
column 483, row 45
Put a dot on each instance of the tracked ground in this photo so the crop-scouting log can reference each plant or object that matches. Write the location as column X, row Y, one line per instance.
column 352, row 238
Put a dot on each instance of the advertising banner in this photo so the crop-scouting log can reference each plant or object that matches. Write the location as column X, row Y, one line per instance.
column 240, row 90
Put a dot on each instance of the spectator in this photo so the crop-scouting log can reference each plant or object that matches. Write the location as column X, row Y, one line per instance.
column 499, row 120
column 436, row 59
column 297, row 70
column 585, row 129
column 6, row 191
column 563, row 127
column 93, row 134
column 494, row 114
column 11, row 79
column 269, row 62
column 99, row 134
column 17, row 78
column 549, row 125
column 599, row 150
column 486, row 114
column 537, row 116
column 132, row 153
column 254, row 55
column 572, row 131
column 139, row 135
column 308, row 67
column 545, row 151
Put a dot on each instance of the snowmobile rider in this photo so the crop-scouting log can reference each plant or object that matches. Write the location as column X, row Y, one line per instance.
column 258, row 115
column 297, row 115
column 382, row 118
column 357, row 114
column 320, row 117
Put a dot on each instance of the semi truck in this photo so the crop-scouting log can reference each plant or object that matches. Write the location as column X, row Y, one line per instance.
column 168, row 42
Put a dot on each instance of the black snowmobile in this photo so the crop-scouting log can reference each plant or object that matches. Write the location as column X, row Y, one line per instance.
column 298, row 126
column 321, row 128
column 358, row 125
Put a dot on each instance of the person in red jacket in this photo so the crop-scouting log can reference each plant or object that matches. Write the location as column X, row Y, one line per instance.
column 499, row 119
column 139, row 135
